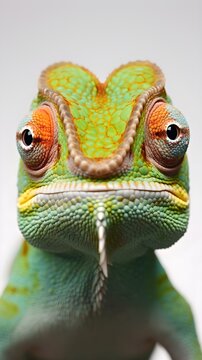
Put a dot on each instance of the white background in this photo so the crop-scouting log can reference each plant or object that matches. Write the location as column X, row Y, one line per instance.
column 101, row 35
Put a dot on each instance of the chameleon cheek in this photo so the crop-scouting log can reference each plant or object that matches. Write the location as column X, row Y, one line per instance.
column 167, row 136
column 37, row 140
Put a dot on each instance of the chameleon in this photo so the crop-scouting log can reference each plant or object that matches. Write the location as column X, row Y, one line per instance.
column 103, row 182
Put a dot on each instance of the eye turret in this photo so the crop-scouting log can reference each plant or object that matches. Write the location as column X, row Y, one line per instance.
column 167, row 136
column 37, row 140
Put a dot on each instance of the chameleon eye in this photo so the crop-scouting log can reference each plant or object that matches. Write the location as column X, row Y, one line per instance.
column 173, row 131
column 27, row 137
column 37, row 140
column 167, row 136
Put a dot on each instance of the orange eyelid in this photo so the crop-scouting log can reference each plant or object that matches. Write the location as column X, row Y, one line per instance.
column 42, row 125
column 164, row 152
column 44, row 150
column 159, row 119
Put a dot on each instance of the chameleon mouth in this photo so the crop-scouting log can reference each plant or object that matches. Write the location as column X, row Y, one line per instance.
column 125, row 189
column 64, row 192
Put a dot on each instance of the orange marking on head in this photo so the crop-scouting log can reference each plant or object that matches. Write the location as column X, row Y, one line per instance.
column 42, row 149
column 42, row 126
column 158, row 120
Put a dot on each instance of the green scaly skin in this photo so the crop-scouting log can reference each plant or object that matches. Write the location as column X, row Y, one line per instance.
column 86, row 283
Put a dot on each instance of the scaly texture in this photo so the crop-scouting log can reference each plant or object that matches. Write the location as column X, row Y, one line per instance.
column 100, row 111
column 114, row 115
column 102, row 183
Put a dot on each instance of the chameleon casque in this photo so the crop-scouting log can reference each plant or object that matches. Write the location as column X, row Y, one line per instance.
column 103, row 182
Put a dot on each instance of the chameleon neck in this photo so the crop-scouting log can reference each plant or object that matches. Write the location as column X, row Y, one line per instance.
column 57, row 279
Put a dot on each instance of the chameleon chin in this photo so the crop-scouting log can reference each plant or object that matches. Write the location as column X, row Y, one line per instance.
column 102, row 183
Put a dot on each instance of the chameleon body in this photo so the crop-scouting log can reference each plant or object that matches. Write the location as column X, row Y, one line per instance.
column 103, row 182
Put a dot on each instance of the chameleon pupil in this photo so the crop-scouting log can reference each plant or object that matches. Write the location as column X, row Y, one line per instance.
column 27, row 137
column 172, row 132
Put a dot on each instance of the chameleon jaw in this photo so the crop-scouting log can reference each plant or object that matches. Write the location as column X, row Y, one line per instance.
column 31, row 196
column 61, row 195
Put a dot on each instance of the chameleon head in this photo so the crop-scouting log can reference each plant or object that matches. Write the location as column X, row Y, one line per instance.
column 103, row 167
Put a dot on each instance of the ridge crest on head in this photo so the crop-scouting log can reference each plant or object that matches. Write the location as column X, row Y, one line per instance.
column 100, row 119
